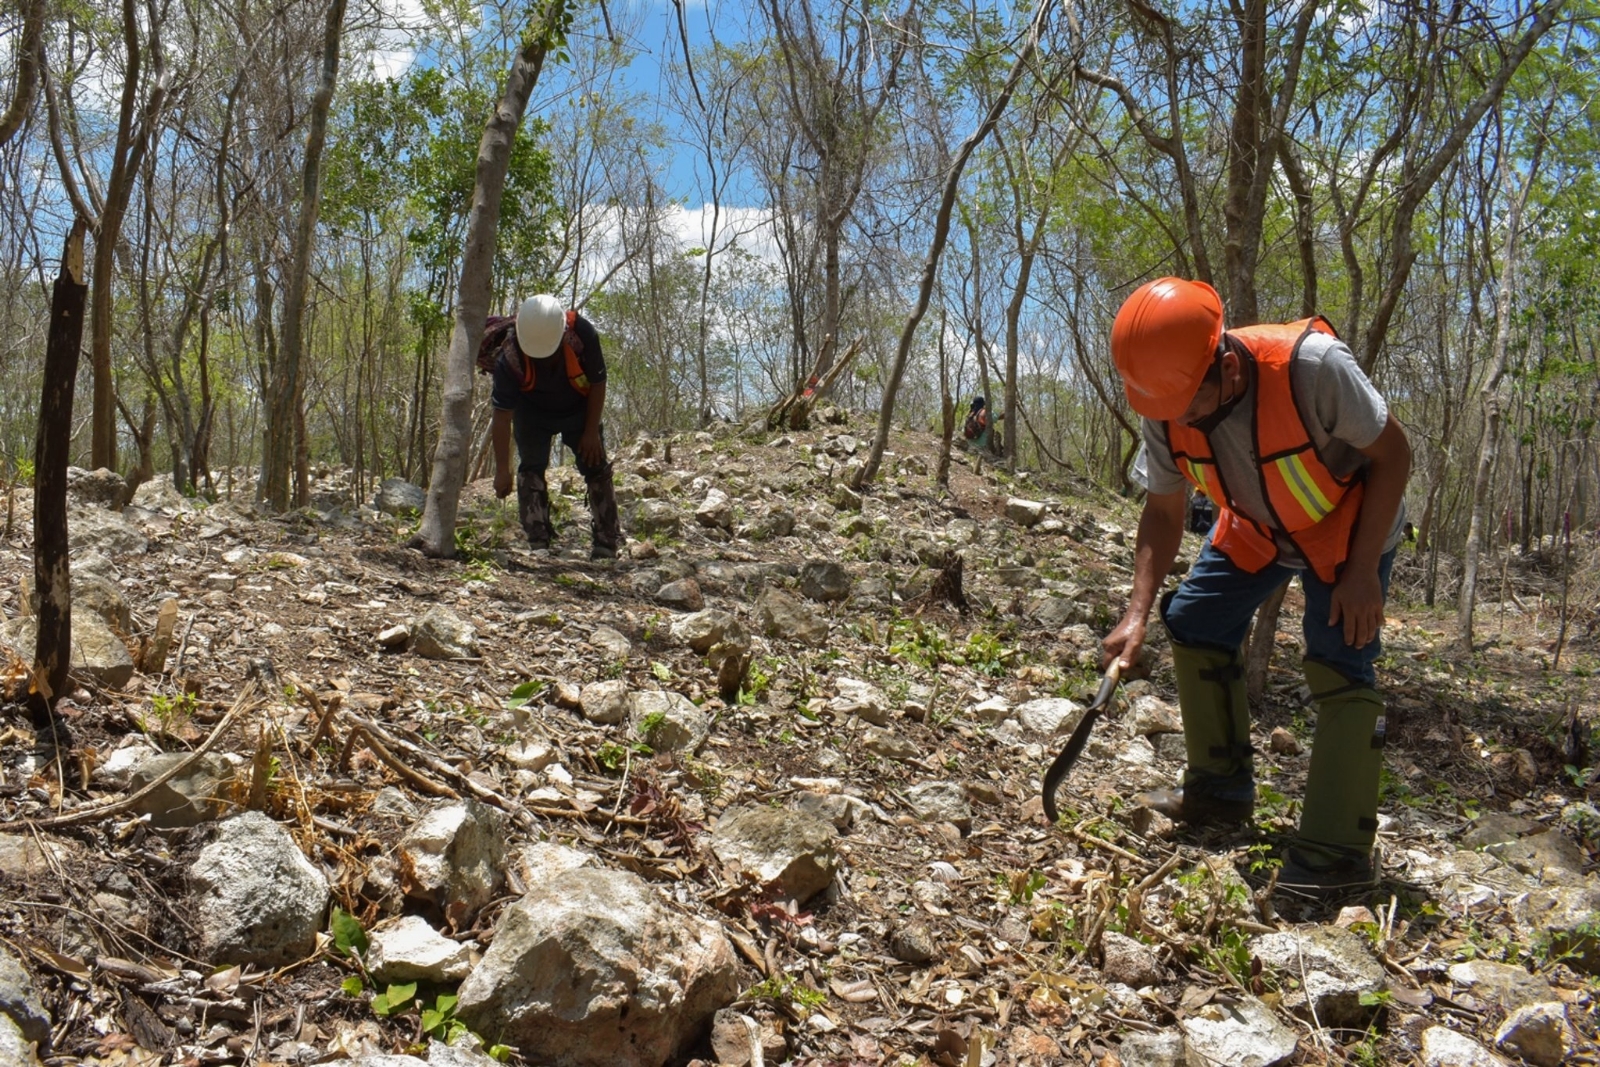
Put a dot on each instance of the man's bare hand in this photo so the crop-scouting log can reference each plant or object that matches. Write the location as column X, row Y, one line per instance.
column 590, row 450
column 502, row 483
column 1357, row 602
column 1125, row 642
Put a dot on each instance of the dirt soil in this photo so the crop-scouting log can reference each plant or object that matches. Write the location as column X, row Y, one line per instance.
column 1015, row 910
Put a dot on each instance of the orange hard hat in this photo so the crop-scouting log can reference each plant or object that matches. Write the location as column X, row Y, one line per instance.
column 1162, row 342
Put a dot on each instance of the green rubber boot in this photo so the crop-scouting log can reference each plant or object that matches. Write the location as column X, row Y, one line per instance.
column 1219, row 784
column 1339, row 818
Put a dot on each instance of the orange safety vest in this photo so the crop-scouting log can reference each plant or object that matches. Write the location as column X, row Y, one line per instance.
column 571, row 346
column 1312, row 508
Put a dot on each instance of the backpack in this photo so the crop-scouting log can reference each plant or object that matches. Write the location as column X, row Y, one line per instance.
column 973, row 426
column 496, row 331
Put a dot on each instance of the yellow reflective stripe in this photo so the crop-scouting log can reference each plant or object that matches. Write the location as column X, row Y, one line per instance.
column 1304, row 487
column 1198, row 476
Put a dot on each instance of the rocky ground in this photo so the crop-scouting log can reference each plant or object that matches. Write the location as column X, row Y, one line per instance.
column 764, row 791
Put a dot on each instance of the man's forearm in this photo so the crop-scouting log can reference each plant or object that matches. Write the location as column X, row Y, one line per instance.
column 500, row 439
column 1160, row 535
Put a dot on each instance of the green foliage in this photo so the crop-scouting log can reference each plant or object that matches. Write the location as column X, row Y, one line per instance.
column 348, row 936
column 395, row 999
column 786, row 990
column 524, row 694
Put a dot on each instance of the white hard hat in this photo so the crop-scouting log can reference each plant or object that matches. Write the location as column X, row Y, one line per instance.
column 541, row 320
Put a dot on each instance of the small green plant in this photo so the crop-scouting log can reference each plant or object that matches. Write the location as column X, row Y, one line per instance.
column 651, row 723
column 479, row 570
column 1019, row 887
column 171, row 712
column 524, row 694
column 783, row 988
column 985, row 654
column 613, row 756
column 662, row 672
column 1579, row 776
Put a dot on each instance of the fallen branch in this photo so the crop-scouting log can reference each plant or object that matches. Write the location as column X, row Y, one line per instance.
column 244, row 703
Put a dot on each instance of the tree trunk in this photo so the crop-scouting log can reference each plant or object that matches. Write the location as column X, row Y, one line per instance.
column 52, row 446
column 1263, row 639
column 1492, row 404
column 29, row 53
column 280, row 451
column 436, row 535
column 126, row 159
column 941, row 232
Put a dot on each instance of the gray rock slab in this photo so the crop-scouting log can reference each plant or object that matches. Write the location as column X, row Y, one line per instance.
column 16, row 1050
column 1332, row 968
column 782, row 616
column 668, row 721
column 192, row 797
column 1538, row 1033
column 19, row 1000
column 1130, row 961
column 257, row 899
column 1500, row 984
column 940, row 802
column 1246, row 1034
column 454, row 857
column 412, row 950
column 1443, row 1047
column 594, row 970
column 442, row 634
column 792, row 851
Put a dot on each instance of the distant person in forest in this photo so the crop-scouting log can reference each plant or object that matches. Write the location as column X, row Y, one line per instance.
column 979, row 428
column 550, row 379
column 1324, row 501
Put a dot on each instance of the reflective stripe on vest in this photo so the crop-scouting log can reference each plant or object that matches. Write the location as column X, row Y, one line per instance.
column 1309, row 506
column 571, row 346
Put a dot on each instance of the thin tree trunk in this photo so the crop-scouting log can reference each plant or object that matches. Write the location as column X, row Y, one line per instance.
column 29, row 53
column 52, row 447
column 941, row 233
column 281, row 448
column 436, row 535
column 1492, row 409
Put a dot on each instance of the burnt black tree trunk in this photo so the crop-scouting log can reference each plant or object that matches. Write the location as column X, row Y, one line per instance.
column 53, row 651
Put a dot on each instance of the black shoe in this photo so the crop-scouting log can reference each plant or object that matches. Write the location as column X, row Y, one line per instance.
column 602, row 552
column 1351, row 874
column 1196, row 809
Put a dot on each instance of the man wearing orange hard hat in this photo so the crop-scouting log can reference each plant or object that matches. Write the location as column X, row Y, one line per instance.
column 1279, row 427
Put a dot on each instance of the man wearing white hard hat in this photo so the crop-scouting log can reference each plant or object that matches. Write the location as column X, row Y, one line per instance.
column 550, row 379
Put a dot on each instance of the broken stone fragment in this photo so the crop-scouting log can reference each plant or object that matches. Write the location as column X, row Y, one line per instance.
column 412, row 950
column 592, row 969
column 793, row 852
column 454, row 857
column 257, row 899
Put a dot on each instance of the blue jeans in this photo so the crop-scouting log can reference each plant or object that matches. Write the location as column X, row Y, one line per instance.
column 1213, row 605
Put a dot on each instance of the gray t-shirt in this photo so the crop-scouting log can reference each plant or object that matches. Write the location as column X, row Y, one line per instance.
column 1349, row 416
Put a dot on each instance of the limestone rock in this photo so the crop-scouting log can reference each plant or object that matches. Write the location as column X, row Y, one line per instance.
column 657, row 517
column 1046, row 715
column 706, row 628
column 191, row 798
column 94, row 528
column 19, row 1000
column 789, row 850
column 396, row 496
column 257, row 898
column 442, row 634
column 1500, row 984
column 1025, row 513
column 1246, row 1034
column 1335, row 968
column 411, row 949
column 593, row 970
column 1443, row 1047
column 824, row 580
column 683, row 595
column 1130, row 961
column 98, row 654
column 715, row 510
column 15, row 1050
column 100, row 487
column 862, row 699
column 454, row 857
column 1538, row 1033
column 605, row 702
column 782, row 616
column 940, row 802
column 667, row 721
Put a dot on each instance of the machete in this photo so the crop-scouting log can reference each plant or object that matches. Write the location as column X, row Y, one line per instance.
column 1080, row 737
